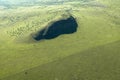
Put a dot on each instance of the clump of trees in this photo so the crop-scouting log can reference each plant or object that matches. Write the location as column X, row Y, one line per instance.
column 30, row 26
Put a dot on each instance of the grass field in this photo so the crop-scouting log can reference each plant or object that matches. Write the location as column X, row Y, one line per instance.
column 92, row 53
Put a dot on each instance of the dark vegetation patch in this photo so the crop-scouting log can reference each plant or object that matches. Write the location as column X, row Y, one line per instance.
column 26, row 73
column 57, row 28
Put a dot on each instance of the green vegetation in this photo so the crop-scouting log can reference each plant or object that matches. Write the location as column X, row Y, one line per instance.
column 92, row 53
column 97, row 63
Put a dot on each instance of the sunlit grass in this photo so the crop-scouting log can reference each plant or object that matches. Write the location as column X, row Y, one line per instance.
column 97, row 26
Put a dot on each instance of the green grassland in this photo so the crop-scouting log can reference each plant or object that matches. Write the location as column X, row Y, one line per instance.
column 92, row 53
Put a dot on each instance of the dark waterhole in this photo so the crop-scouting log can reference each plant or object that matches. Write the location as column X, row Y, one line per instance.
column 67, row 26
